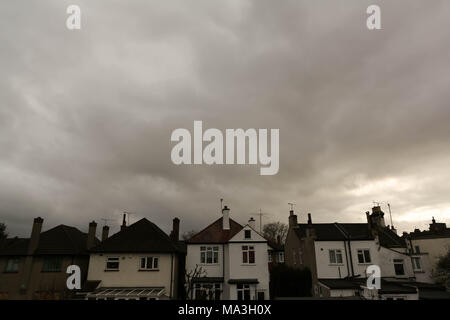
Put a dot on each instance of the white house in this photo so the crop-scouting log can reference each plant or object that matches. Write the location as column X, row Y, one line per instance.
column 232, row 260
column 338, row 255
column 140, row 262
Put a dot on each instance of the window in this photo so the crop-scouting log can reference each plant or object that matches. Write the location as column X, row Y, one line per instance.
column 149, row 263
column 335, row 256
column 398, row 266
column 248, row 254
column 209, row 255
column 207, row 291
column 270, row 252
column 364, row 256
column 417, row 249
column 112, row 263
column 281, row 257
column 294, row 256
column 51, row 264
column 12, row 265
column 248, row 234
column 416, row 263
column 243, row 292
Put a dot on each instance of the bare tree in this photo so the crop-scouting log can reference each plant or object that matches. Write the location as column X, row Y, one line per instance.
column 188, row 234
column 274, row 230
column 3, row 233
column 198, row 272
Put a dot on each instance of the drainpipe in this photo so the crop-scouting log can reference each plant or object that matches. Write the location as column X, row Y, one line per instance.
column 351, row 259
column 346, row 259
column 171, row 274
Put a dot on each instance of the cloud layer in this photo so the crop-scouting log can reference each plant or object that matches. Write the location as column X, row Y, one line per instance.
column 86, row 116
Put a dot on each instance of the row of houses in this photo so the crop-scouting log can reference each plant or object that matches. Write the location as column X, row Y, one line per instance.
column 224, row 261
column 338, row 255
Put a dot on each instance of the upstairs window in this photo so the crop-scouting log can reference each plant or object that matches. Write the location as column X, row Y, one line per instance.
column 12, row 265
column 335, row 256
column 112, row 263
column 248, row 234
column 416, row 264
column 52, row 264
column 364, row 256
column 248, row 254
column 398, row 267
column 209, row 255
column 417, row 249
column 149, row 263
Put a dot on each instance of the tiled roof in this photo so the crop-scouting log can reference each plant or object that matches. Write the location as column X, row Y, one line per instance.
column 214, row 233
column 350, row 231
column 141, row 236
column 340, row 283
column 14, row 247
column 61, row 240
column 430, row 234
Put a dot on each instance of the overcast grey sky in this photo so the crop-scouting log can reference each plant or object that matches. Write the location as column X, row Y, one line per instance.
column 86, row 116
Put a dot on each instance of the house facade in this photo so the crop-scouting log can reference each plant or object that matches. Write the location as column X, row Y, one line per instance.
column 140, row 262
column 35, row 267
column 228, row 261
column 432, row 243
column 338, row 254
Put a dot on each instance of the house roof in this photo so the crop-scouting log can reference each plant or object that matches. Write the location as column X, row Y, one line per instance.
column 430, row 234
column 14, row 247
column 141, row 236
column 60, row 240
column 340, row 283
column 214, row 233
column 350, row 231
column 63, row 240
column 275, row 245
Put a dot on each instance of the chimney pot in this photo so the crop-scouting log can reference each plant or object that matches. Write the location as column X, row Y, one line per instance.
column 91, row 234
column 124, row 222
column 105, row 233
column 226, row 218
column 251, row 223
column 175, row 234
column 35, row 234
column 309, row 218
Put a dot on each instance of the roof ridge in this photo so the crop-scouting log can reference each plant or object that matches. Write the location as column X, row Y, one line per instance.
column 64, row 227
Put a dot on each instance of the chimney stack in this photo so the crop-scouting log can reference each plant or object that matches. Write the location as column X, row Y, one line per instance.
column 292, row 219
column 226, row 218
column 309, row 218
column 251, row 223
column 91, row 234
column 35, row 234
column 175, row 234
column 377, row 217
column 105, row 233
column 124, row 222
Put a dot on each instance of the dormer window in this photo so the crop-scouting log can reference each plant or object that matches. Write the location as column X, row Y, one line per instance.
column 248, row 234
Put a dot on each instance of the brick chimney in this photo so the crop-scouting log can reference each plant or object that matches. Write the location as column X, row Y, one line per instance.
column 251, row 223
column 91, row 234
column 376, row 219
column 124, row 222
column 105, row 232
column 292, row 219
column 35, row 235
column 175, row 234
column 226, row 218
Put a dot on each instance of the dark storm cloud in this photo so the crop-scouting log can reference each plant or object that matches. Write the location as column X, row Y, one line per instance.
column 86, row 116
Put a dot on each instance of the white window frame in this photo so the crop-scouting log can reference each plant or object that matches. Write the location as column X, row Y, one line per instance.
column 112, row 259
column 150, row 263
column 415, row 267
column 245, row 287
column 247, row 253
column 214, row 250
column 363, row 253
column 402, row 262
column 337, row 252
